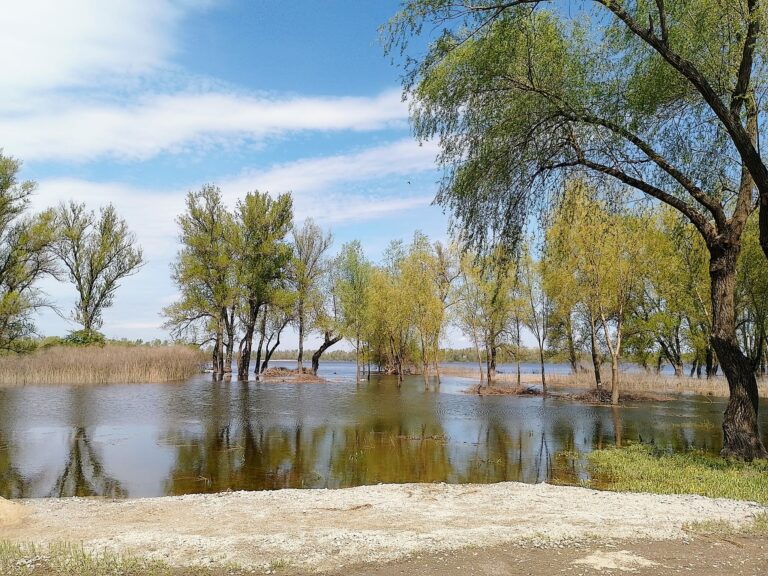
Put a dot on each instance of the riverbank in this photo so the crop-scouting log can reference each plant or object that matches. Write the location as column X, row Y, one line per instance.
column 639, row 383
column 303, row 531
column 110, row 364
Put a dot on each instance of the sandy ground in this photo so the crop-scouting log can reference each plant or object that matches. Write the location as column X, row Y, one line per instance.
column 327, row 530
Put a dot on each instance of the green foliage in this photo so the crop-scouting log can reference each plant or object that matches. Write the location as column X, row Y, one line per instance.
column 351, row 279
column 641, row 468
column 85, row 338
column 25, row 257
column 97, row 252
column 522, row 95
column 307, row 273
column 204, row 270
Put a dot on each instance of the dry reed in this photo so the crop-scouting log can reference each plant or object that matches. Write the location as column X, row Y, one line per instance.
column 628, row 381
column 111, row 364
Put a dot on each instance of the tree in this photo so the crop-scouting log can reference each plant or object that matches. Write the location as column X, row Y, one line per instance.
column 488, row 306
column 310, row 244
column 262, row 257
column 418, row 274
column 25, row 256
column 97, row 253
column 205, row 274
column 658, row 96
column 752, row 292
column 537, row 307
column 351, row 285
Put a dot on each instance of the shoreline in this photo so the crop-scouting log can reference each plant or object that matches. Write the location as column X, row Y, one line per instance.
column 629, row 382
column 324, row 530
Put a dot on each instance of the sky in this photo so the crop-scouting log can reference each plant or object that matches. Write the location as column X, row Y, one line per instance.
column 137, row 102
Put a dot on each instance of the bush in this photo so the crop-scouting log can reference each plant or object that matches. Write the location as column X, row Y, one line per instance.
column 85, row 338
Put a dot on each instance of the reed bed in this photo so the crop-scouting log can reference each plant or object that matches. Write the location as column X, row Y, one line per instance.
column 628, row 381
column 111, row 364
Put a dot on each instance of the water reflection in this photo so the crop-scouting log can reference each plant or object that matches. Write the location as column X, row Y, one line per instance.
column 204, row 436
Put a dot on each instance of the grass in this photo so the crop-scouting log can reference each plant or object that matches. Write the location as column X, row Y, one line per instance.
column 757, row 528
column 66, row 559
column 111, row 364
column 641, row 468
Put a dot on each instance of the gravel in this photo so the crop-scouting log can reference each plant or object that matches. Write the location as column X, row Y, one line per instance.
column 329, row 529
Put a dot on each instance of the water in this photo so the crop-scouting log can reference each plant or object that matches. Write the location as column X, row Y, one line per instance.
column 201, row 436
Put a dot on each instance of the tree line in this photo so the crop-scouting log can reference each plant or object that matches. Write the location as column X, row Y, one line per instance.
column 93, row 251
column 602, row 283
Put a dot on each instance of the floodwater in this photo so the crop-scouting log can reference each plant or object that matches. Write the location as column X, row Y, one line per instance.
column 203, row 436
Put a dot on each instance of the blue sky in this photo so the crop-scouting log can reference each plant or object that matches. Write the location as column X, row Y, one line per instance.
column 135, row 102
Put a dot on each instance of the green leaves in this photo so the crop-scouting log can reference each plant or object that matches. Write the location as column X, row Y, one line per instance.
column 97, row 252
column 25, row 257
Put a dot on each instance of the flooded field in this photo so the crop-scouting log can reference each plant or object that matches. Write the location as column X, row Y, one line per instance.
column 201, row 436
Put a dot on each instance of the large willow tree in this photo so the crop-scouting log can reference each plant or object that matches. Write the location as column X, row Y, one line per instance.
column 662, row 96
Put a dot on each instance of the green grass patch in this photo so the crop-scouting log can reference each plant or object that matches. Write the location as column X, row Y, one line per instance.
column 65, row 559
column 642, row 468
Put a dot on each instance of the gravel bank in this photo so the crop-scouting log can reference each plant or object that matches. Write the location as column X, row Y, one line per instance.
column 329, row 529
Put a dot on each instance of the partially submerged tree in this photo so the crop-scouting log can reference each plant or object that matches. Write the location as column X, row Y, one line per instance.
column 659, row 96
column 310, row 244
column 351, row 279
column 263, row 255
column 98, row 251
column 489, row 309
column 205, row 274
column 25, row 256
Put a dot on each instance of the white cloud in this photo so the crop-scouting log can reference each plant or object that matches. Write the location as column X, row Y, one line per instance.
column 62, row 44
column 178, row 122
column 321, row 189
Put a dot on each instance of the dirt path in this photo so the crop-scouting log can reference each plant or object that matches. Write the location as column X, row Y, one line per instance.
column 312, row 530
column 702, row 556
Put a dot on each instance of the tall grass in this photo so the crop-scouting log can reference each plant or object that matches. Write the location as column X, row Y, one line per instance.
column 111, row 364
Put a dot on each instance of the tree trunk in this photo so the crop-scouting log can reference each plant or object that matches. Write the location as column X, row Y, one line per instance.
column 763, row 223
column 571, row 345
column 301, row 337
column 491, row 364
column 614, row 379
column 229, row 345
column 327, row 343
column 710, row 359
column 246, row 344
column 543, row 374
column 262, row 336
column 268, row 353
column 741, row 436
column 218, row 353
column 595, row 355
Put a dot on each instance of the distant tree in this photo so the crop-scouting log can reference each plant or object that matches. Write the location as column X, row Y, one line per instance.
column 487, row 307
column 310, row 244
column 97, row 251
column 351, row 284
column 537, row 309
column 25, row 256
column 205, row 274
column 263, row 256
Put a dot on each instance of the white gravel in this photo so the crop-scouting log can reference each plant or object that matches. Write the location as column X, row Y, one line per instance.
column 328, row 529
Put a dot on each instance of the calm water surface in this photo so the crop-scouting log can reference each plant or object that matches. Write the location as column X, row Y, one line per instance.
column 203, row 436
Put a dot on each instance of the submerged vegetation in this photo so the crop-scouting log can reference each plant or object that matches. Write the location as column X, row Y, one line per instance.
column 110, row 364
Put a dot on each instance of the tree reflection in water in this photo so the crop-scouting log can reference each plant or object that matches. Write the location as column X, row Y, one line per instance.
column 203, row 436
